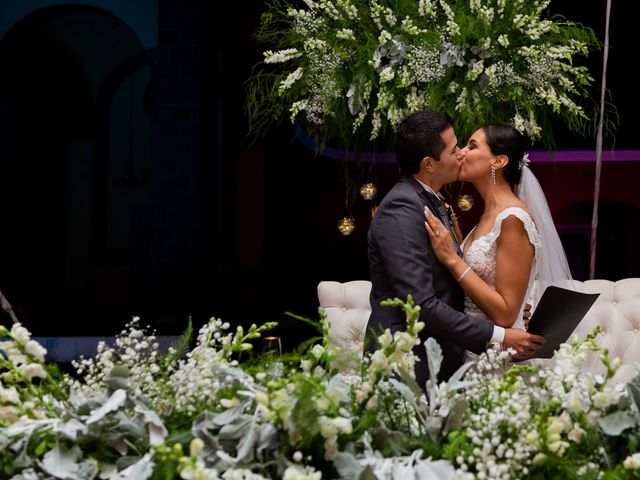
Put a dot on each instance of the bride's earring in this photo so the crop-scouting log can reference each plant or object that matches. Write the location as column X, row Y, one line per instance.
column 493, row 174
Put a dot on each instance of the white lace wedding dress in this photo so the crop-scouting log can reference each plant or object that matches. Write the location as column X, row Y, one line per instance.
column 481, row 257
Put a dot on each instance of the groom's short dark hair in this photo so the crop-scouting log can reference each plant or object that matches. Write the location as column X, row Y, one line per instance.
column 418, row 136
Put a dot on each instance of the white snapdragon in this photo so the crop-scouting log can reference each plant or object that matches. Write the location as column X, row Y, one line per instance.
column 387, row 74
column 32, row 370
column 345, row 34
column 292, row 78
column 475, row 69
column 20, row 334
column 281, row 56
column 317, row 351
column 349, row 8
column 9, row 395
column 426, row 8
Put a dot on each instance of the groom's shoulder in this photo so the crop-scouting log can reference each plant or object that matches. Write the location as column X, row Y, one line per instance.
column 403, row 189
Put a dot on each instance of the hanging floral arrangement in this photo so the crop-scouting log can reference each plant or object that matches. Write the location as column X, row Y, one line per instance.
column 349, row 70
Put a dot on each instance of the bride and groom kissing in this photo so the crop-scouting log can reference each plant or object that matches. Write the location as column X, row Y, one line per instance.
column 473, row 292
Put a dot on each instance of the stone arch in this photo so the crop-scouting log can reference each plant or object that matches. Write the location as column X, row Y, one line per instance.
column 70, row 73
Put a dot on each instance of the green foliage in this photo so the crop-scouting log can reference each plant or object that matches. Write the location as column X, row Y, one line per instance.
column 350, row 70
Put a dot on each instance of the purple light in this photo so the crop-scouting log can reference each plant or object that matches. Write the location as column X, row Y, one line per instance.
column 542, row 156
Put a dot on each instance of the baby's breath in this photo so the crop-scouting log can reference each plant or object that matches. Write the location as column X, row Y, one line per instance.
column 507, row 60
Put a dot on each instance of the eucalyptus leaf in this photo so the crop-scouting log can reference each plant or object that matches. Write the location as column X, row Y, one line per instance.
column 434, row 358
column 384, row 438
column 247, row 445
column 157, row 430
column 115, row 401
column 70, row 428
column 28, row 474
column 141, row 470
column 410, row 382
column 236, row 429
column 438, row 470
column 633, row 388
column 268, row 438
column 615, row 423
column 402, row 471
column 347, row 465
column 61, row 463
column 367, row 474
column 228, row 416
column 202, row 428
column 455, row 382
column 456, row 416
column 406, row 392
column 87, row 470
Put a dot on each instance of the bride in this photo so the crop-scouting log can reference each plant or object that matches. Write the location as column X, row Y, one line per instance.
column 514, row 250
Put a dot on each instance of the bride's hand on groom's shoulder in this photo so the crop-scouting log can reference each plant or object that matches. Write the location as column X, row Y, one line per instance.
column 524, row 343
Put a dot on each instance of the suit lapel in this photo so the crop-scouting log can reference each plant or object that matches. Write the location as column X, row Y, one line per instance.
column 430, row 200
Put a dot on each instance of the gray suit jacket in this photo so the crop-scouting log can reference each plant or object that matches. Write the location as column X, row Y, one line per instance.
column 402, row 262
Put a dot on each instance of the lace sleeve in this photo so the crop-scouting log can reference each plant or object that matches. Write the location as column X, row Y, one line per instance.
column 529, row 227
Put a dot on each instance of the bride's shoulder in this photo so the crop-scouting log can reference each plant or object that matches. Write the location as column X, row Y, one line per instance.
column 517, row 209
column 517, row 219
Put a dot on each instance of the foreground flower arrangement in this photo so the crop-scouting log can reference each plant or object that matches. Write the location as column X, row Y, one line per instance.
column 351, row 70
column 216, row 411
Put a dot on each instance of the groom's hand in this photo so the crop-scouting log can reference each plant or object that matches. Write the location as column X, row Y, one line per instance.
column 525, row 344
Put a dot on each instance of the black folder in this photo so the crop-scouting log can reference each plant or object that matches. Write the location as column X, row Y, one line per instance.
column 557, row 315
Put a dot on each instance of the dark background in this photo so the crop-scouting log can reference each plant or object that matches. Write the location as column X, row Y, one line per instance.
column 129, row 186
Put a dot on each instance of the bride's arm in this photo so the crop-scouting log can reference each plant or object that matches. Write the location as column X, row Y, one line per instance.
column 514, row 257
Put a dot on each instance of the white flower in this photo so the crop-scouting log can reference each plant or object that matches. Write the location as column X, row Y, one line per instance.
column 35, row 349
column 31, row 370
column 281, row 56
column 9, row 395
column 317, row 351
column 299, row 472
column 632, row 462
column 604, row 399
column 20, row 334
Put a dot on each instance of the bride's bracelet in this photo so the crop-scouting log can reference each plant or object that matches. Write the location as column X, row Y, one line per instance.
column 464, row 274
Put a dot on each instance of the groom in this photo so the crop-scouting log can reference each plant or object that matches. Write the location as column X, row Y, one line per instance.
column 401, row 260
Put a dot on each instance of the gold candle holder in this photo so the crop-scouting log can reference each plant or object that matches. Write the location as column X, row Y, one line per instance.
column 368, row 191
column 346, row 225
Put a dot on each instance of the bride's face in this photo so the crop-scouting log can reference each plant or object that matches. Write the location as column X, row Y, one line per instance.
column 475, row 158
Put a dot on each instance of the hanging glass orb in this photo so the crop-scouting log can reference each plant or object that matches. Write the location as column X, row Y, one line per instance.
column 465, row 202
column 368, row 190
column 346, row 225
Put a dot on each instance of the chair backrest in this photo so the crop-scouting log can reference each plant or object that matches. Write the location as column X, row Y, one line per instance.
column 617, row 311
column 347, row 308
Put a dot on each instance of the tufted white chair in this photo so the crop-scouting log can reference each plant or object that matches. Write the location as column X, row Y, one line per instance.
column 617, row 311
column 347, row 307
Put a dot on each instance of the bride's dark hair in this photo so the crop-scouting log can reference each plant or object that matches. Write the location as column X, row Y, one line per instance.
column 506, row 140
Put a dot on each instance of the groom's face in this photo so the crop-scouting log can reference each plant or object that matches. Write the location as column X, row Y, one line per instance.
column 449, row 164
